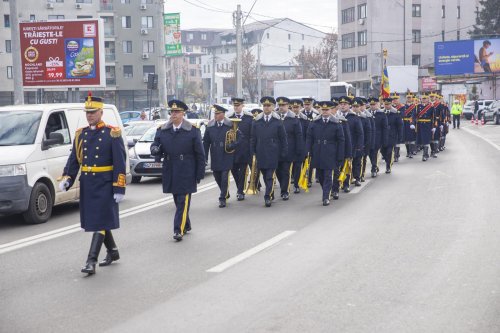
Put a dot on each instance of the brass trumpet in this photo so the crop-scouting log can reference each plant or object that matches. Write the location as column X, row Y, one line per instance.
column 254, row 176
column 231, row 136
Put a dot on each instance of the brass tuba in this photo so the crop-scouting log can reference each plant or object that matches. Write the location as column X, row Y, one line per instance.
column 231, row 135
column 254, row 177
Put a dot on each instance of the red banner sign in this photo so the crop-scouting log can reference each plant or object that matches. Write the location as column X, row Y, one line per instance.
column 62, row 54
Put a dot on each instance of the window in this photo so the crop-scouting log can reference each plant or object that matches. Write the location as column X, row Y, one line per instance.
column 190, row 36
column 127, row 22
column 458, row 34
column 57, row 124
column 477, row 12
column 83, row 1
column 189, row 48
column 362, row 64
column 204, row 50
column 147, row 22
column 204, row 68
column 362, row 11
column 362, row 40
column 192, row 72
column 56, row 17
column 127, row 46
column 6, row 21
column 442, row 35
column 415, row 36
column 203, row 36
column 443, row 12
column 147, row 69
column 416, row 10
column 289, row 36
column 348, row 65
column 127, row 2
column 58, row 1
column 348, row 15
column 32, row 17
column 8, row 46
column 192, row 60
column 348, row 40
column 128, row 71
column 415, row 60
column 458, row 12
column 289, row 48
column 9, row 72
column 84, row 16
column 148, row 46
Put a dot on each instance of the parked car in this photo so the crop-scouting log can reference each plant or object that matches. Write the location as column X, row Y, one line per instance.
column 468, row 109
column 136, row 130
column 35, row 142
column 197, row 121
column 128, row 116
column 142, row 164
column 492, row 113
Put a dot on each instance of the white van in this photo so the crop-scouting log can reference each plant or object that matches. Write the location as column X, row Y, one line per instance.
column 35, row 142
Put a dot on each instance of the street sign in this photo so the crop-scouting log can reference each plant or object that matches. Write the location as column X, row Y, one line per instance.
column 62, row 54
column 428, row 84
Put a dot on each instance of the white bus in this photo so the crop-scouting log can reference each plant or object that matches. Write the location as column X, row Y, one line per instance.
column 338, row 89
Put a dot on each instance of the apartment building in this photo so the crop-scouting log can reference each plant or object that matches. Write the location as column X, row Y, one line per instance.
column 131, row 39
column 406, row 28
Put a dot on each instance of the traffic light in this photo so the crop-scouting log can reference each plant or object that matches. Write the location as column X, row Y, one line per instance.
column 152, row 81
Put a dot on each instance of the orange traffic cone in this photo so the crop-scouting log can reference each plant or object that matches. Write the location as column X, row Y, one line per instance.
column 472, row 120
column 482, row 120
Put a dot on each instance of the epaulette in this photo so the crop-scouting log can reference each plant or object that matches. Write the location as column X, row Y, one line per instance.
column 79, row 131
column 115, row 132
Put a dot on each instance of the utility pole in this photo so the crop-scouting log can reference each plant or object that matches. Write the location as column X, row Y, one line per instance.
column 259, row 76
column 17, row 72
column 239, row 70
column 212, row 82
column 162, row 69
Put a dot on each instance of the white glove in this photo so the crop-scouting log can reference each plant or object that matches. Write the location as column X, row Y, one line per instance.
column 441, row 127
column 63, row 186
column 118, row 197
column 412, row 126
column 433, row 130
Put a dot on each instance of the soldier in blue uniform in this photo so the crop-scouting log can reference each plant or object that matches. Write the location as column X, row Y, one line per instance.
column 446, row 122
column 366, row 120
column 179, row 143
column 381, row 130
column 395, row 123
column 325, row 143
column 268, row 143
column 311, row 113
column 242, row 157
column 222, row 154
column 425, row 125
column 347, row 150
column 409, row 121
column 295, row 141
column 400, row 107
column 438, row 123
column 357, row 138
column 304, row 123
column 99, row 151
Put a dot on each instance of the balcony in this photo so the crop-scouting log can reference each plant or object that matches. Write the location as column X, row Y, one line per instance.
column 110, row 57
column 110, row 81
column 106, row 5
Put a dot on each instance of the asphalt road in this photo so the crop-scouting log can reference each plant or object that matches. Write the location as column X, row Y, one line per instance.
column 414, row 251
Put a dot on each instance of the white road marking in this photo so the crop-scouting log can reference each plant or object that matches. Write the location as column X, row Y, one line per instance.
column 494, row 145
column 28, row 241
column 358, row 189
column 247, row 254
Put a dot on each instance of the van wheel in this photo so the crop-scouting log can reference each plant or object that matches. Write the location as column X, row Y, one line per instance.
column 136, row 179
column 40, row 205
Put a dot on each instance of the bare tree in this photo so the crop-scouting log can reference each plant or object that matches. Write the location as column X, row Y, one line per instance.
column 249, row 77
column 320, row 62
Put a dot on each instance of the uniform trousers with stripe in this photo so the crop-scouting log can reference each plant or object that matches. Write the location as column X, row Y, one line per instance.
column 374, row 159
column 239, row 170
column 283, row 175
column 181, row 218
column 268, row 175
column 296, row 169
column 356, row 167
column 326, row 181
column 388, row 153
column 222, row 179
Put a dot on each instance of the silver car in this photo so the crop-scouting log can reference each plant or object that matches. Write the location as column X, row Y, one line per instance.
column 136, row 129
column 142, row 164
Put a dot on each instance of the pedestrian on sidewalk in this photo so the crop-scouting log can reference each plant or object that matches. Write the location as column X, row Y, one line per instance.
column 456, row 111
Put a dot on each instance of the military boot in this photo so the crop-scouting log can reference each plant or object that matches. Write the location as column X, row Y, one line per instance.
column 95, row 248
column 112, row 250
column 408, row 152
column 396, row 154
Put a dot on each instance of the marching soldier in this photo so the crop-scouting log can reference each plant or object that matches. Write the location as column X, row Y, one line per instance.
column 446, row 122
column 99, row 151
column 381, row 130
column 304, row 123
column 357, row 138
column 268, row 143
column 366, row 120
column 425, row 125
column 222, row 153
column 400, row 107
column 242, row 157
column 395, row 123
column 179, row 143
column 308, row 110
column 347, row 151
column 325, row 143
column 437, row 123
column 293, row 131
column 409, row 121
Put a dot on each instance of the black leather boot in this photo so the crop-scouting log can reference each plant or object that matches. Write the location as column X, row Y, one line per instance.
column 408, row 152
column 112, row 251
column 396, row 154
column 95, row 248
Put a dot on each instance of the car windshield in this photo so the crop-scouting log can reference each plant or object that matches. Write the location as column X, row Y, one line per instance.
column 19, row 127
column 149, row 136
column 192, row 115
column 138, row 129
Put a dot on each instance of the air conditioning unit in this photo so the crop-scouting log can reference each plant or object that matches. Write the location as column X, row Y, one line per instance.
column 78, row 6
column 50, row 6
column 361, row 21
column 144, row 7
column 144, row 31
column 145, row 79
column 145, row 56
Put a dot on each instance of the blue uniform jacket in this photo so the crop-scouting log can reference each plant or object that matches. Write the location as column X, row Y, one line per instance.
column 381, row 129
column 294, row 138
column 347, row 136
column 242, row 153
column 357, row 135
column 409, row 118
column 268, row 141
column 101, row 147
column 425, row 124
column 214, row 140
column 395, row 123
column 326, row 143
column 367, row 131
column 183, row 157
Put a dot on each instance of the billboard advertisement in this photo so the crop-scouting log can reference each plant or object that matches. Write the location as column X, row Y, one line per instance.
column 467, row 57
column 172, row 26
column 62, row 54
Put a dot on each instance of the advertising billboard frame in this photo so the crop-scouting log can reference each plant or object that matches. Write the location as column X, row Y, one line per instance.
column 99, row 65
column 172, row 27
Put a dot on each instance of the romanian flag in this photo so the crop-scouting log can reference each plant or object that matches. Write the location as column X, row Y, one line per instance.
column 385, row 90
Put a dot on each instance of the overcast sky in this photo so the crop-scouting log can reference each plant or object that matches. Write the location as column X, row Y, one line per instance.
column 319, row 14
